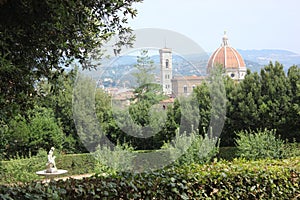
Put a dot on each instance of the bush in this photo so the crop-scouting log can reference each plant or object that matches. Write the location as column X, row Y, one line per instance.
column 186, row 149
column 26, row 136
column 260, row 144
column 111, row 160
column 239, row 179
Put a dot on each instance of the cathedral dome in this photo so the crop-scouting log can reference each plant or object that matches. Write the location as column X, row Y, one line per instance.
column 229, row 58
column 226, row 56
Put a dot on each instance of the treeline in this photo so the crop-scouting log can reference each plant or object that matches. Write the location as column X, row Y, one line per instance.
column 269, row 100
column 266, row 100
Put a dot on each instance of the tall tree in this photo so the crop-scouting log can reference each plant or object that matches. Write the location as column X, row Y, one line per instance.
column 275, row 94
column 293, row 124
column 147, row 92
column 248, row 100
column 144, row 69
column 58, row 96
column 146, row 88
column 37, row 37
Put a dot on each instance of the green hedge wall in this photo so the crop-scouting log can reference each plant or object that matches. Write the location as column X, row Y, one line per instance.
column 23, row 170
column 238, row 179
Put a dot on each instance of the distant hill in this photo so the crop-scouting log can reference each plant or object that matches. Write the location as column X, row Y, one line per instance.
column 263, row 57
column 253, row 66
column 255, row 60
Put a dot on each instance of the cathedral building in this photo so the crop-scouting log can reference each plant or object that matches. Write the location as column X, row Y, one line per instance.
column 225, row 56
column 228, row 58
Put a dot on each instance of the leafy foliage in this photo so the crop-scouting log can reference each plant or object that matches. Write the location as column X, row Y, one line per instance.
column 110, row 160
column 39, row 131
column 3, row 139
column 144, row 69
column 192, row 148
column 239, row 179
column 39, row 37
column 263, row 101
column 260, row 144
column 141, row 123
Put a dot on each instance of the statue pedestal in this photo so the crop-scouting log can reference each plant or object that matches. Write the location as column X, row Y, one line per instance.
column 52, row 174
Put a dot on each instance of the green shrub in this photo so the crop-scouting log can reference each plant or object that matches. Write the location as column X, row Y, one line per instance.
column 239, row 179
column 22, row 170
column 292, row 149
column 186, row 149
column 111, row 160
column 260, row 144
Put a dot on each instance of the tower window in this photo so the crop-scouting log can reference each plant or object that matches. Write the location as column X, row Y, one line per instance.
column 185, row 89
column 167, row 63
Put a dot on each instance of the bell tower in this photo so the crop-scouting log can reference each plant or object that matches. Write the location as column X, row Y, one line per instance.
column 166, row 70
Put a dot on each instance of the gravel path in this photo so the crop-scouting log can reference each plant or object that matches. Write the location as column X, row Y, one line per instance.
column 67, row 177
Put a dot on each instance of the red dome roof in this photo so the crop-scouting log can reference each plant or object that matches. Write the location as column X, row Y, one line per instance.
column 226, row 56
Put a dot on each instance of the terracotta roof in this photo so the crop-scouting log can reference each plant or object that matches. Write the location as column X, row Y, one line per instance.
column 188, row 77
column 226, row 56
column 170, row 100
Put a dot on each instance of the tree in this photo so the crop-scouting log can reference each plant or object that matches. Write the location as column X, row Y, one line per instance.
column 293, row 124
column 145, row 67
column 232, row 121
column 248, row 100
column 146, row 119
column 146, row 88
column 38, row 37
column 275, row 94
column 264, row 100
column 84, row 112
column 211, row 100
column 201, row 92
column 169, row 129
column 147, row 94
column 58, row 95
column 39, row 130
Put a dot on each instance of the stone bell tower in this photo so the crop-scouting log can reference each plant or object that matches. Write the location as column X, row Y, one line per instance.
column 166, row 70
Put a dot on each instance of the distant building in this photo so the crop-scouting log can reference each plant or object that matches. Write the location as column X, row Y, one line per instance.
column 230, row 59
column 166, row 70
column 165, row 103
column 184, row 85
column 175, row 86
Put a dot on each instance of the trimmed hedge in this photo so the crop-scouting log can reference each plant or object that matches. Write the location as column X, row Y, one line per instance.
column 239, row 179
column 23, row 170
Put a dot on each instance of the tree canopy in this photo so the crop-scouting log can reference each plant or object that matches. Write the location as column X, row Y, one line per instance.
column 37, row 37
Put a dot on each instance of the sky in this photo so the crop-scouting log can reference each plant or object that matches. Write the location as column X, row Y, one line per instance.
column 249, row 24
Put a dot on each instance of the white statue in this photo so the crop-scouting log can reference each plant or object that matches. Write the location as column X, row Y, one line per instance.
column 51, row 167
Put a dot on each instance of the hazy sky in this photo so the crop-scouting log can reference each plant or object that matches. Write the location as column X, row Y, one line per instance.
column 250, row 24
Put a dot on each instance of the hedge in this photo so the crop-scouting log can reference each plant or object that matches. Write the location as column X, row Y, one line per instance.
column 238, row 179
column 23, row 170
